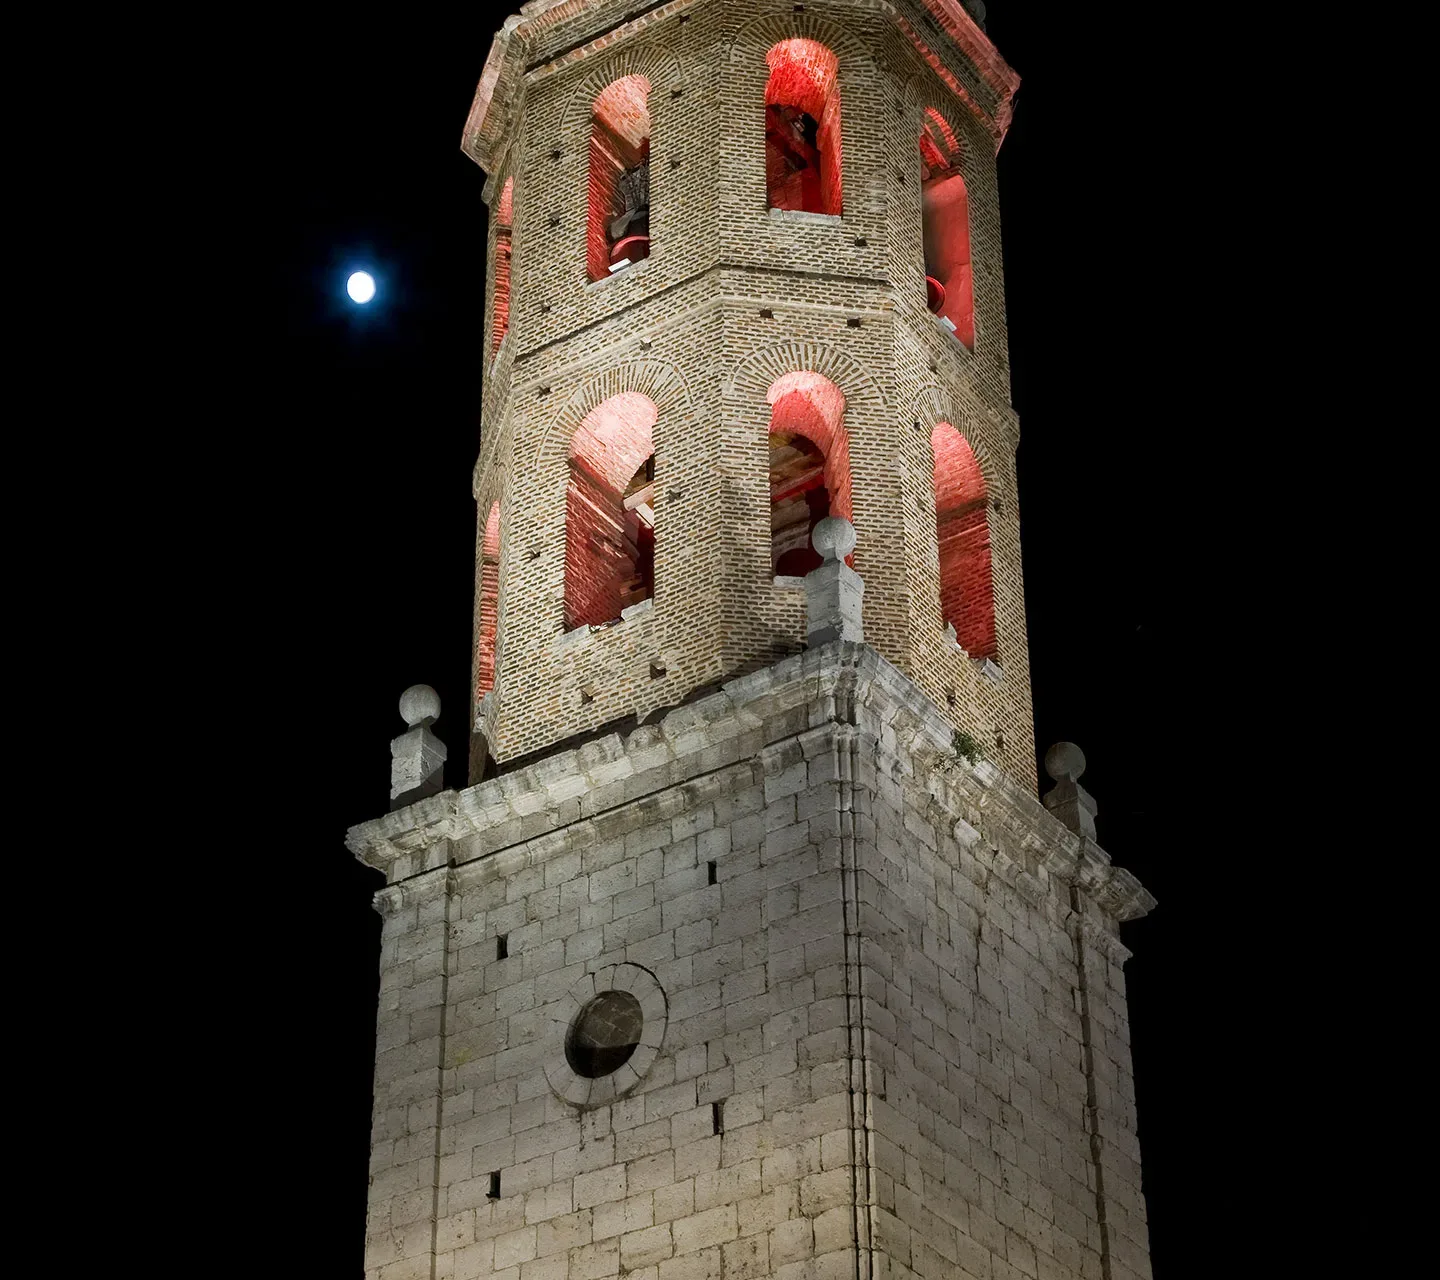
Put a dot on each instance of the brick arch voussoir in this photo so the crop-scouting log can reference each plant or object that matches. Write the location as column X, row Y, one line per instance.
column 771, row 28
column 923, row 93
column 757, row 372
column 925, row 86
column 658, row 379
column 659, row 66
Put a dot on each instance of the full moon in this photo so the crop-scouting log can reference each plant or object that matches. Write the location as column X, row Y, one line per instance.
column 360, row 286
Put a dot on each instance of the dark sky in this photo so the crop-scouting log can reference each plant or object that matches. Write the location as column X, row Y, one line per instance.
column 1109, row 298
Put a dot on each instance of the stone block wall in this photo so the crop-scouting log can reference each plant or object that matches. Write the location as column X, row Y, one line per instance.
column 867, row 1039
column 1001, row 1080
column 732, row 297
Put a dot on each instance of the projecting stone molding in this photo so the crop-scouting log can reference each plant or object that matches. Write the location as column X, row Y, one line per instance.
column 615, row 784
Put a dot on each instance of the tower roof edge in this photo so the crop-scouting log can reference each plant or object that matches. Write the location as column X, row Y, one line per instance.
column 966, row 32
column 503, row 68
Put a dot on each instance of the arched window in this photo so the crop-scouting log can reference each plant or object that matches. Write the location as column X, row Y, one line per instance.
column 802, row 128
column 619, row 226
column 489, row 603
column 962, row 529
column 500, row 309
column 610, row 511
column 945, row 208
column 809, row 466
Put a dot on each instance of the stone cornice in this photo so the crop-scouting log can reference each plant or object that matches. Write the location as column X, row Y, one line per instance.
column 715, row 742
column 1021, row 840
column 508, row 63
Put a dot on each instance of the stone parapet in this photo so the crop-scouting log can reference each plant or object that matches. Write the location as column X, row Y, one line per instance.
column 585, row 793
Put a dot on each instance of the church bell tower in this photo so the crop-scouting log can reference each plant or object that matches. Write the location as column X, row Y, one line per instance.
column 749, row 947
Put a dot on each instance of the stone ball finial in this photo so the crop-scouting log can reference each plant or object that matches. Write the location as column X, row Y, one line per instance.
column 1065, row 762
column 834, row 538
column 419, row 702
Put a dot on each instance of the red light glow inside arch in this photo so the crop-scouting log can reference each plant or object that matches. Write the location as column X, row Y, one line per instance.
column 489, row 603
column 962, row 528
column 609, row 511
column 500, row 314
column 802, row 128
column 945, row 205
column 809, row 466
column 619, row 174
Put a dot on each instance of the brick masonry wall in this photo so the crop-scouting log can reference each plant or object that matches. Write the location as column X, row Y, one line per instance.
column 882, row 988
column 732, row 297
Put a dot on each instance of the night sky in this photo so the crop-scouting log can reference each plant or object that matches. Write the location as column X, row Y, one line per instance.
column 377, row 423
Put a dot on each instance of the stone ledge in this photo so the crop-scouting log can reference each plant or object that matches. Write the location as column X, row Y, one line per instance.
column 719, row 742
column 802, row 216
column 626, row 272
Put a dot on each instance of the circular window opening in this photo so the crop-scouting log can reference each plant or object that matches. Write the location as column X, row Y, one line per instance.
column 604, row 1035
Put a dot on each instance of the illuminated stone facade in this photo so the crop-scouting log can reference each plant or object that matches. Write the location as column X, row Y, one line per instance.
column 737, row 957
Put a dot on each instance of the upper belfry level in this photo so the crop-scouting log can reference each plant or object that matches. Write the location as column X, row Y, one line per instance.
column 745, row 273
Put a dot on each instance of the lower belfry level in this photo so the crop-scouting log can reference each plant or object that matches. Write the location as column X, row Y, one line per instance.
column 788, row 988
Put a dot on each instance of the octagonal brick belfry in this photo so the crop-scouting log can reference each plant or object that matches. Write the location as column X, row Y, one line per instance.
column 744, row 321
column 748, row 948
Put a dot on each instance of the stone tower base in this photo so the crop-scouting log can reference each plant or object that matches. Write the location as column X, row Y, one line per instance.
column 884, row 1026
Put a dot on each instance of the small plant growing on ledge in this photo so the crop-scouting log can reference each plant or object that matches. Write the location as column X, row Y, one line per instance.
column 966, row 748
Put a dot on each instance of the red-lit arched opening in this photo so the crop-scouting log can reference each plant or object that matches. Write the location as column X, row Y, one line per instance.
column 945, row 208
column 809, row 466
column 500, row 310
column 489, row 603
column 962, row 528
column 802, row 127
column 619, row 224
column 610, row 511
